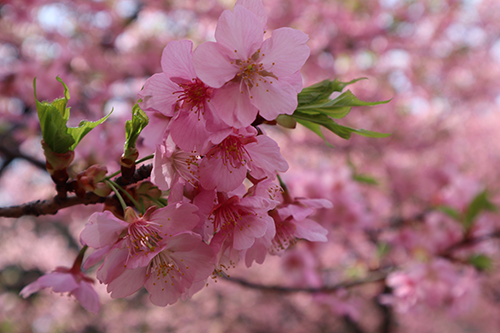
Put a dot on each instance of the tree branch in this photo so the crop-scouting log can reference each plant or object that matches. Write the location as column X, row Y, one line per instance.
column 376, row 276
column 49, row 207
column 52, row 206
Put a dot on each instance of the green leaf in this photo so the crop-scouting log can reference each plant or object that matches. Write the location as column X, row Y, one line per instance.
column 479, row 203
column 321, row 91
column 481, row 262
column 134, row 127
column 53, row 118
column 53, row 123
column 383, row 249
column 348, row 99
column 365, row 179
column 83, row 128
column 325, row 121
column 451, row 212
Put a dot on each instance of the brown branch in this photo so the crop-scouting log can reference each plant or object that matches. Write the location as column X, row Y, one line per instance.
column 469, row 241
column 52, row 206
column 375, row 277
column 49, row 207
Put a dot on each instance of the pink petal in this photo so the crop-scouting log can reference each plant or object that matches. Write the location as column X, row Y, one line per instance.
column 95, row 257
column 218, row 70
column 113, row 265
column 128, row 282
column 157, row 128
column 257, row 8
column 164, row 290
column 162, row 172
column 273, row 98
column 87, row 296
column 295, row 80
column 214, row 174
column 316, row 203
column 248, row 229
column 102, row 229
column 285, row 52
column 232, row 105
column 158, row 95
column 296, row 211
column 266, row 158
column 30, row 289
column 258, row 251
column 177, row 60
column 60, row 282
column 310, row 230
column 188, row 130
column 176, row 217
column 239, row 32
column 194, row 258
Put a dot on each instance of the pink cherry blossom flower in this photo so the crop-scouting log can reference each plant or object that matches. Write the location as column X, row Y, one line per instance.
column 172, row 165
column 242, row 220
column 225, row 166
column 182, row 263
column 253, row 75
column 138, row 236
column 70, row 280
column 179, row 94
column 292, row 223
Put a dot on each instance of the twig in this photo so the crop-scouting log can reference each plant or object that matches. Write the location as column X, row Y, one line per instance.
column 49, row 207
column 52, row 206
column 376, row 277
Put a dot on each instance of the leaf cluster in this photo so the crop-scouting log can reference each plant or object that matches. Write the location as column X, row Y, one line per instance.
column 316, row 108
column 54, row 117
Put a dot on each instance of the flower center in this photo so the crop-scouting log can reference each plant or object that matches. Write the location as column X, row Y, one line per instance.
column 251, row 72
column 162, row 264
column 142, row 237
column 232, row 151
column 192, row 94
column 227, row 213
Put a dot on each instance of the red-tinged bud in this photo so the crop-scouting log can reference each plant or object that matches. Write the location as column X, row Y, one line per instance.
column 89, row 181
column 56, row 163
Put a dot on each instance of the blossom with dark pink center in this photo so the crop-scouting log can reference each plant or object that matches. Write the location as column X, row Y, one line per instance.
column 240, row 219
column 254, row 76
column 292, row 223
column 138, row 236
column 172, row 165
column 178, row 94
column 225, row 166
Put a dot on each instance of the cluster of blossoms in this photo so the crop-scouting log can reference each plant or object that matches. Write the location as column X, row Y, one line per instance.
column 201, row 111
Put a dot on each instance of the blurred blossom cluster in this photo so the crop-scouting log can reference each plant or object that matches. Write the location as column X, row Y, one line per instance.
column 407, row 225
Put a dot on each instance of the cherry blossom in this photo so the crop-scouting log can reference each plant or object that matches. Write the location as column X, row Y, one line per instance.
column 254, row 76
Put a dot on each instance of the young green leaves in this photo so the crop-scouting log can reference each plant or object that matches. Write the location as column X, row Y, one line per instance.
column 315, row 109
column 53, row 118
